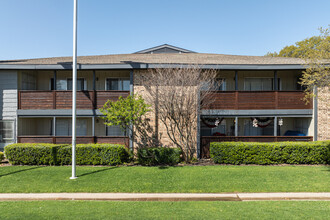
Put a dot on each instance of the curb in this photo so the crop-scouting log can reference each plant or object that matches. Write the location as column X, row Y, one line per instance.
column 165, row 196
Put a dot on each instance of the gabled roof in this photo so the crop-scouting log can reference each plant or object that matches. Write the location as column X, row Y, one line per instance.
column 165, row 48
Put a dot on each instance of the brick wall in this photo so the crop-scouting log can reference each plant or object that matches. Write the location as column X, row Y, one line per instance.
column 141, row 90
column 324, row 114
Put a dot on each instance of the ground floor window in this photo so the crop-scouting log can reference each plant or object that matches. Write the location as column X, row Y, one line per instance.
column 259, row 126
column 115, row 130
column 213, row 126
column 6, row 133
column 64, row 127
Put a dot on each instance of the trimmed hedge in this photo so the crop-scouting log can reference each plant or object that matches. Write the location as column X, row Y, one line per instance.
column 158, row 156
column 94, row 154
column 317, row 152
column 52, row 154
column 2, row 156
column 32, row 154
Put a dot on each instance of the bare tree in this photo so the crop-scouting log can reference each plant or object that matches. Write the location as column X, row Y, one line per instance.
column 177, row 96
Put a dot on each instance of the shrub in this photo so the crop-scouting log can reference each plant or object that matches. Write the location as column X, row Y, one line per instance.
column 94, row 154
column 317, row 152
column 159, row 156
column 2, row 156
column 32, row 154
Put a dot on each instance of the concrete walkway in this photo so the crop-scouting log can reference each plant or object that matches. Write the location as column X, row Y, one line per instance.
column 165, row 196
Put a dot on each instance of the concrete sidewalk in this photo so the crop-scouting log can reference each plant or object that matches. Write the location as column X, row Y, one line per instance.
column 166, row 196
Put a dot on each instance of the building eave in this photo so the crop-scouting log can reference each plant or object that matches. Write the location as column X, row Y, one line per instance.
column 150, row 66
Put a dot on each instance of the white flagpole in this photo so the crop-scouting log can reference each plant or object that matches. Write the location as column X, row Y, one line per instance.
column 74, row 89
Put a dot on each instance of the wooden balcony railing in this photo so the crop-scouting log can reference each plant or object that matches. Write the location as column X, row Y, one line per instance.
column 206, row 140
column 240, row 100
column 63, row 99
column 68, row 139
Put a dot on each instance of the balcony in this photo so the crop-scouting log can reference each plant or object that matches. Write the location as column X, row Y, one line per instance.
column 253, row 100
column 38, row 99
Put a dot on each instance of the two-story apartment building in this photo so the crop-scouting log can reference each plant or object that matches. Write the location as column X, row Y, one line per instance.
column 259, row 98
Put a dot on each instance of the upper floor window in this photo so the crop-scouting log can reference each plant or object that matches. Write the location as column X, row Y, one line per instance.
column 220, row 85
column 258, row 84
column 80, row 84
column 66, row 84
column 117, row 84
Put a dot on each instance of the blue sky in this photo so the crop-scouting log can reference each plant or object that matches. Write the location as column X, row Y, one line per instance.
column 43, row 28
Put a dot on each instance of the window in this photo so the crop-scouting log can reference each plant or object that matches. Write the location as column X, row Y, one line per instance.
column 80, row 84
column 66, row 84
column 64, row 127
column 115, row 130
column 258, row 84
column 6, row 133
column 118, row 84
column 220, row 85
column 249, row 130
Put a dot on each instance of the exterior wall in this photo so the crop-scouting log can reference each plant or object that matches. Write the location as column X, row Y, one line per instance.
column 140, row 90
column 8, row 94
column 324, row 114
column 43, row 80
column 288, row 79
column 8, row 100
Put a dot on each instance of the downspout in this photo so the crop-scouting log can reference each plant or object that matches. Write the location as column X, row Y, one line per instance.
column 315, row 113
column 198, row 127
column 131, row 91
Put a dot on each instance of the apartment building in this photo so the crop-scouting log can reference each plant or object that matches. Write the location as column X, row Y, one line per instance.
column 259, row 99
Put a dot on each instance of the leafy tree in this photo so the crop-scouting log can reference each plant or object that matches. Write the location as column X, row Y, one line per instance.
column 301, row 49
column 130, row 114
column 316, row 53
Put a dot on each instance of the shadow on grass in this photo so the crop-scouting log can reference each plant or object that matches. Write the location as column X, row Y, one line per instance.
column 327, row 168
column 165, row 167
column 19, row 171
column 96, row 171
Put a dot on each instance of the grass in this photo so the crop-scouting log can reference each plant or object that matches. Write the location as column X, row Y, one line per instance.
column 164, row 210
column 209, row 179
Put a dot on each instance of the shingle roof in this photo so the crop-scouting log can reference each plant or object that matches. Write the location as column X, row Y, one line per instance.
column 183, row 58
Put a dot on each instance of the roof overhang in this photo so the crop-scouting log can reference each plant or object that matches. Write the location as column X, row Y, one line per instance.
column 150, row 66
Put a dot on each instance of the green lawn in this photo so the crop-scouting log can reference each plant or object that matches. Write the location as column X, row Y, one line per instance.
column 165, row 210
column 27, row 179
